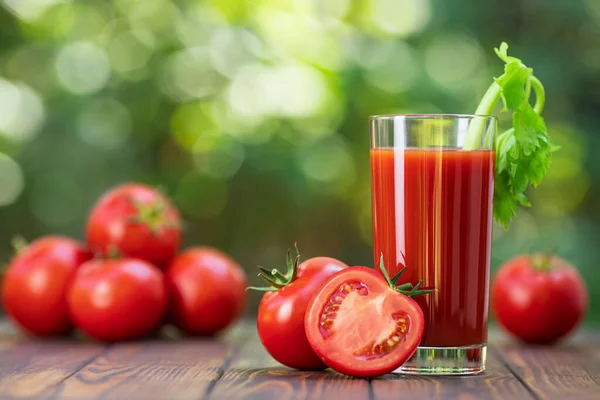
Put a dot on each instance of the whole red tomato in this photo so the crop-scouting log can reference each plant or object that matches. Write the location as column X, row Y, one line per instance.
column 281, row 311
column 207, row 290
column 136, row 221
column 35, row 284
column 538, row 298
column 117, row 299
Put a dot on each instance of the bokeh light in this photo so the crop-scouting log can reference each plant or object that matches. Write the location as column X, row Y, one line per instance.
column 328, row 164
column 159, row 16
column 291, row 90
column 452, row 59
column 29, row 10
column 399, row 18
column 11, row 177
column 105, row 123
column 188, row 75
column 220, row 161
column 192, row 124
column 22, row 111
column 231, row 49
column 391, row 66
column 130, row 50
column 82, row 67
column 253, row 114
column 300, row 34
column 195, row 26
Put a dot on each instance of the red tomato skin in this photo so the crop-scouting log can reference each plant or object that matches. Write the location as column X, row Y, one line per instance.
column 111, row 227
column 538, row 306
column 354, row 368
column 117, row 299
column 280, row 320
column 35, row 285
column 208, row 291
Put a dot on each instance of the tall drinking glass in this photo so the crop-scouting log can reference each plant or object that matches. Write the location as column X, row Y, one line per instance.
column 432, row 212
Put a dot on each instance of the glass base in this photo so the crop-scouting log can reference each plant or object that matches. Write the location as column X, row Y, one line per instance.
column 467, row 360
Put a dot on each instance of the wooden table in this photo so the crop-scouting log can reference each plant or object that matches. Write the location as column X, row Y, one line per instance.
column 237, row 367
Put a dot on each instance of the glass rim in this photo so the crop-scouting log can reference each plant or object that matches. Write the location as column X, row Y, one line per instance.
column 430, row 116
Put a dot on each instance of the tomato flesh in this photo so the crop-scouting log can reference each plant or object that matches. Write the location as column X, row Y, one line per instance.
column 361, row 327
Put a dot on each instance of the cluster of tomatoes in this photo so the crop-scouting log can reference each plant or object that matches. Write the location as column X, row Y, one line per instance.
column 312, row 317
column 360, row 322
column 127, row 279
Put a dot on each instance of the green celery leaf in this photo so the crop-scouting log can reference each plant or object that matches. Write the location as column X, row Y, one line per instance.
column 523, row 200
column 502, row 53
column 523, row 153
column 519, row 180
column 505, row 205
column 539, row 163
column 514, row 85
column 529, row 128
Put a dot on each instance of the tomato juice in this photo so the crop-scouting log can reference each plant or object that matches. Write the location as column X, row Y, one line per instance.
column 432, row 211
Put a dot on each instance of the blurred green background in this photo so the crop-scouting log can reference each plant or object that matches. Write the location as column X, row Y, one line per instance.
column 253, row 114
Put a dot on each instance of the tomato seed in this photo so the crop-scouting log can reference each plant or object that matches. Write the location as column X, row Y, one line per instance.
column 333, row 304
column 374, row 350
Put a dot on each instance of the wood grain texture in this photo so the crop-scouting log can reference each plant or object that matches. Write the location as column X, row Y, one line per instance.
column 237, row 367
column 150, row 370
column 559, row 372
column 253, row 374
column 496, row 383
column 31, row 368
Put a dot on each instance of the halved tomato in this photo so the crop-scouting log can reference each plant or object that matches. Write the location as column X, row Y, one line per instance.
column 361, row 324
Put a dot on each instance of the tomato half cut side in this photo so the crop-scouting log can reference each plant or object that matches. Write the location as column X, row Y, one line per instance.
column 360, row 326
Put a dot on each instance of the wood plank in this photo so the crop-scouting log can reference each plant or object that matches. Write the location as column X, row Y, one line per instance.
column 253, row 374
column 497, row 382
column 571, row 370
column 30, row 367
column 152, row 369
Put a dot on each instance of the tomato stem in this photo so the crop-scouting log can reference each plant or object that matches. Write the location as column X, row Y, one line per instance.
column 153, row 215
column 279, row 275
column 260, row 288
column 113, row 252
column 271, row 281
column 406, row 289
column 277, row 280
column 404, row 286
column 545, row 260
column 397, row 276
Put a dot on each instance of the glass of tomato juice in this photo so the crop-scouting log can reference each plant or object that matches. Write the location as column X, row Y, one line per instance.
column 432, row 212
